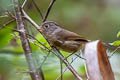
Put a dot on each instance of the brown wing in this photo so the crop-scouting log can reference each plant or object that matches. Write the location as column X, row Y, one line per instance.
column 68, row 35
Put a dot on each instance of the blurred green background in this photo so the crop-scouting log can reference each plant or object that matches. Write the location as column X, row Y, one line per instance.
column 93, row 19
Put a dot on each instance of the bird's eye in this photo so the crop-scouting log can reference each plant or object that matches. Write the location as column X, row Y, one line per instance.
column 46, row 26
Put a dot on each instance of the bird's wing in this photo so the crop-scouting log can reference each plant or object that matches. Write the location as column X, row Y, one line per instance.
column 68, row 35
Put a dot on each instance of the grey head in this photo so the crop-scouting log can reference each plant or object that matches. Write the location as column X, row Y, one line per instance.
column 49, row 27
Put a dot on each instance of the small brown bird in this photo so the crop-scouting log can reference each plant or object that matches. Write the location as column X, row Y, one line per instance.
column 61, row 38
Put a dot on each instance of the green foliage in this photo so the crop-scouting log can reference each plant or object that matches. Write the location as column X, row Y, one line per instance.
column 5, row 36
column 118, row 34
column 116, row 43
column 42, row 40
column 34, row 47
column 4, row 69
column 65, row 53
column 6, row 5
column 82, row 69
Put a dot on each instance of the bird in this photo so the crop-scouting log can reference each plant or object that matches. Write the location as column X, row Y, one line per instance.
column 61, row 38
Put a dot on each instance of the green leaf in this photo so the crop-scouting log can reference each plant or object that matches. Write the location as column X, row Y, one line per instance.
column 82, row 69
column 116, row 43
column 42, row 40
column 5, row 37
column 5, row 34
column 33, row 46
column 118, row 34
column 65, row 53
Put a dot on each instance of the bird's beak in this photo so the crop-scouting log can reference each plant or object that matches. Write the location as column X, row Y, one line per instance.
column 40, row 28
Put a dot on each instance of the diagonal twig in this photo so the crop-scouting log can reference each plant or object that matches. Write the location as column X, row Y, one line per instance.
column 10, row 14
column 29, row 19
column 66, row 68
column 34, row 39
column 38, row 9
column 48, row 10
column 68, row 65
column 7, row 23
column 44, row 60
column 10, row 21
column 23, row 4
column 80, row 57
column 113, row 52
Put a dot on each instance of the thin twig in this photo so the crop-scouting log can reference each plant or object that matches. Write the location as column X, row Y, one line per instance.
column 61, row 69
column 10, row 14
column 66, row 69
column 30, row 20
column 110, row 45
column 38, row 9
column 31, row 30
column 113, row 52
column 67, row 64
column 23, row 4
column 10, row 21
column 35, row 40
column 80, row 57
column 48, row 10
column 44, row 60
column 7, row 23
column 38, row 45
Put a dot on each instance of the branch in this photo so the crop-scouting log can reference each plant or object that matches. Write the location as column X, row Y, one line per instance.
column 30, row 20
column 7, row 23
column 23, row 4
column 48, row 10
column 113, row 52
column 38, row 9
column 44, row 60
column 66, row 69
column 10, row 14
column 67, row 63
column 35, row 40
column 25, row 43
column 10, row 21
